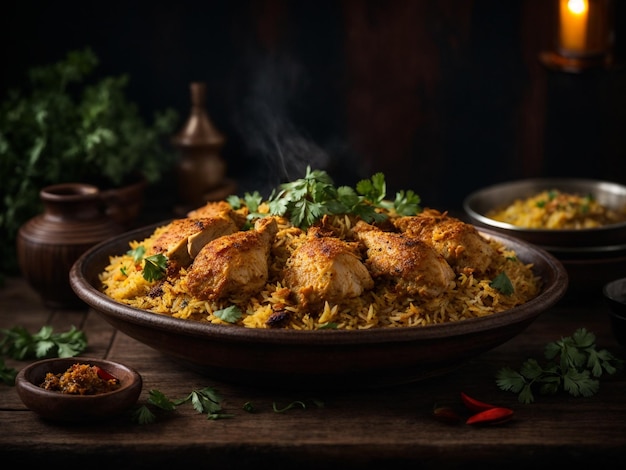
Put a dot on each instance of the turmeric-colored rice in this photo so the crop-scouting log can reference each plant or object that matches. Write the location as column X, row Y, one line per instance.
column 471, row 296
column 557, row 210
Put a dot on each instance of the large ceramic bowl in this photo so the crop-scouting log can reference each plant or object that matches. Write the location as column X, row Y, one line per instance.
column 322, row 358
column 591, row 256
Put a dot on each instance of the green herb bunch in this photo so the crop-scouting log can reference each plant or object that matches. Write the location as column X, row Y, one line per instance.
column 573, row 364
column 69, row 127
column 17, row 343
column 307, row 200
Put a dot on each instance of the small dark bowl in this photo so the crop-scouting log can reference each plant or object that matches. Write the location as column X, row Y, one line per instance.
column 59, row 406
column 615, row 296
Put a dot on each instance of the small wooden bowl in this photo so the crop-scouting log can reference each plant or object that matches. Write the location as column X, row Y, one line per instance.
column 60, row 406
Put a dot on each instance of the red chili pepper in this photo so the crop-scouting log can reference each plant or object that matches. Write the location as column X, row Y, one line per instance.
column 475, row 405
column 491, row 416
column 104, row 375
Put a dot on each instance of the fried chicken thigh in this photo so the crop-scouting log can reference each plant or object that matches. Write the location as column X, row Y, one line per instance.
column 184, row 238
column 458, row 242
column 233, row 265
column 218, row 209
column 326, row 269
column 416, row 267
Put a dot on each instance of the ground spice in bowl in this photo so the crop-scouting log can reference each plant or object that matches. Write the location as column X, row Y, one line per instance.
column 81, row 379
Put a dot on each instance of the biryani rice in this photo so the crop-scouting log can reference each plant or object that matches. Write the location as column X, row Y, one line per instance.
column 557, row 210
column 380, row 307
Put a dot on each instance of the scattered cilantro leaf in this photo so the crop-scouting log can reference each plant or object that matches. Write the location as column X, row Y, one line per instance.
column 142, row 415
column 502, row 283
column 7, row 374
column 137, row 253
column 229, row 314
column 154, row 267
column 249, row 407
column 291, row 405
column 19, row 344
column 573, row 364
column 206, row 401
column 158, row 399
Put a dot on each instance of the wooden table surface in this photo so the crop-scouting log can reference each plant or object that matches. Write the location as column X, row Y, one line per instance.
column 383, row 428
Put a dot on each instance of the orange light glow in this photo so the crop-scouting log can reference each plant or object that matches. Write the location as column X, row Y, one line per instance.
column 573, row 25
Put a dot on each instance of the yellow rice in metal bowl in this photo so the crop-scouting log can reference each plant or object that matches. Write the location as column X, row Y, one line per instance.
column 554, row 209
column 380, row 307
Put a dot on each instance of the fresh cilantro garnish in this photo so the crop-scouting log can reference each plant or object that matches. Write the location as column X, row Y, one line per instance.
column 229, row 314
column 19, row 344
column 307, row 200
column 137, row 253
column 502, row 283
column 573, row 365
column 154, row 267
column 407, row 203
column 234, row 201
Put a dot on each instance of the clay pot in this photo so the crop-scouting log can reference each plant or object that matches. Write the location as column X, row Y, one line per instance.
column 123, row 205
column 73, row 220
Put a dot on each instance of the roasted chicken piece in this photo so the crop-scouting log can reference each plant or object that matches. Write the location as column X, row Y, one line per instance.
column 415, row 267
column 233, row 265
column 218, row 209
column 184, row 238
column 458, row 242
column 326, row 268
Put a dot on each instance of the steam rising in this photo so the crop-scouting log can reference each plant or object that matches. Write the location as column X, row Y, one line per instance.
column 281, row 149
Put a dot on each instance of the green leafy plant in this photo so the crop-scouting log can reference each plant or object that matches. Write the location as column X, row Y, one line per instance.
column 68, row 126
column 573, row 364
column 18, row 343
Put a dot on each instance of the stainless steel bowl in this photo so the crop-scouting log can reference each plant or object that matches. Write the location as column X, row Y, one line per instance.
column 603, row 241
column 591, row 256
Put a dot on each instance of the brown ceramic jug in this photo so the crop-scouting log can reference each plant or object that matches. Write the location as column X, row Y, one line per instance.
column 73, row 220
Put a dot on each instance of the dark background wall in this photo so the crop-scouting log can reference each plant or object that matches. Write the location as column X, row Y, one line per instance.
column 442, row 96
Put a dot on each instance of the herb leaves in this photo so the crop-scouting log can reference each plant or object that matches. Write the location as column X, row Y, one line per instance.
column 573, row 364
column 306, row 200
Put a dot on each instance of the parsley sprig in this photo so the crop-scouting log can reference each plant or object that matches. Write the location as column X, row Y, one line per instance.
column 17, row 343
column 306, row 200
column 573, row 365
column 154, row 266
column 205, row 401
